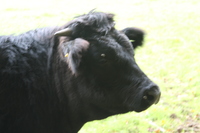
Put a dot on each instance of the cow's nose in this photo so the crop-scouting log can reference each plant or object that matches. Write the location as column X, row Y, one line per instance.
column 152, row 94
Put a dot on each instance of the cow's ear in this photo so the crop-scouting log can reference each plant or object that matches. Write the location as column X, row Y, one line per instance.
column 76, row 50
column 135, row 35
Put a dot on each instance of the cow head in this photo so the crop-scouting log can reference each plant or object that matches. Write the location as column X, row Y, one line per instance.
column 104, row 58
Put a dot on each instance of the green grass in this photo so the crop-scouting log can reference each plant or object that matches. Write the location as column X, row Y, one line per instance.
column 170, row 57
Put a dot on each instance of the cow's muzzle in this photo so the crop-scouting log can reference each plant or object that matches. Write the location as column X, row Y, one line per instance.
column 151, row 95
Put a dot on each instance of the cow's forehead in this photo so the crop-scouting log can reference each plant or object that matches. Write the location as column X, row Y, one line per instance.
column 113, row 39
column 111, row 45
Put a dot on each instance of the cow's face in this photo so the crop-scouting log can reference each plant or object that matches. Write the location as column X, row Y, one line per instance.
column 104, row 57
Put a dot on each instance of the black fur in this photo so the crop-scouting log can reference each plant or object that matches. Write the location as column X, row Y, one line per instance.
column 55, row 84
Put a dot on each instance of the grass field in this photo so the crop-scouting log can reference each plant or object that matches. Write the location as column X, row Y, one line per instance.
column 170, row 56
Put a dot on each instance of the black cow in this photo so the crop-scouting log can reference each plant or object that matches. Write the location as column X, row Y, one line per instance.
column 53, row 80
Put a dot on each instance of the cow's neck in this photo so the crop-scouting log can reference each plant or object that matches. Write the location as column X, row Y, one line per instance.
column 75, row 108
column 82, row 110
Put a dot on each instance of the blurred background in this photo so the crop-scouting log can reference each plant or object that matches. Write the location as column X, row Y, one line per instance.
column 170, row 55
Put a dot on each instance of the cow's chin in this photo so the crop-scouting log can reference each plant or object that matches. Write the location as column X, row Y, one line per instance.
column 138, row 110
column 142, row 107
column 125, row 108
column 139, row 107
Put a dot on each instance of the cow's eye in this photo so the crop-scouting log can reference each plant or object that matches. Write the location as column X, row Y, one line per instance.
column 103, row 55
column 103, row 59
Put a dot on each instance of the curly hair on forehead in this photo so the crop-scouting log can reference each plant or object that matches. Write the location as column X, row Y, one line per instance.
column 98, row 22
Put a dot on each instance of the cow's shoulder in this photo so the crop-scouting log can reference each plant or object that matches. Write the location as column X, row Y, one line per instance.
column 22, row 60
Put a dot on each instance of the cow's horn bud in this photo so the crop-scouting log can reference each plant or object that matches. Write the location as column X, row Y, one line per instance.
column 64, row 32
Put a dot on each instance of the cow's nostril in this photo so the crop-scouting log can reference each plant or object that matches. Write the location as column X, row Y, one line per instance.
column 152, row 95
column 149, row 98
